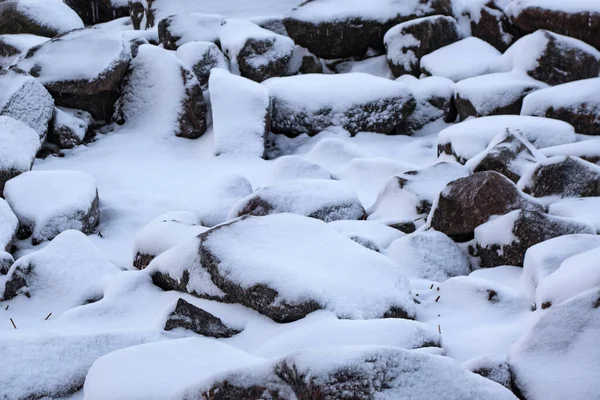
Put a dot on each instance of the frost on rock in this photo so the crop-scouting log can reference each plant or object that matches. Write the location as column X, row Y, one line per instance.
column 25, row 99
column 179, row 29
column 286, row 266
column 161, row 94
column 19, row 145
column 164, row 232
column 37, row 17
column 258, row 54
column 322, row 199
column 555, row 358
column 334, row 29
column 246, row 134
column 554, row 59
column 408, row 42
column 493, row 94
column 464, row 59
column 70, row 202
column 429, row 255
column 201, row 58
column 9, row 223
column 82, row 69
column 308, row 104
column 577, row 103
column 466, row 139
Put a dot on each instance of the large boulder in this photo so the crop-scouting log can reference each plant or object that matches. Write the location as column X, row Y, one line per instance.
column 69, row 127
column 23, row 98
column 179, row 29
column 82, row 69
column 70, row 202
column 37, row 17
column 466, row 203
column 355, row 101
column 408, row 42
column 322, row 199
column 19, row 145
column 489, row 21
column 97, row 11
column 577, row 103
column 504, row 240
column 201, row 58
column 246, row 134
column 283, row 266
column 9, row 223
column 339, row 29
column 257, row 53
column 162, row 94
column 554, row 59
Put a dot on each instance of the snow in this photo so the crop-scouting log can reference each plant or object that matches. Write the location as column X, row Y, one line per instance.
column 8, row 225
column 290, row 168
column 244, row 135
column 377, row 66
column 376, row 232
column 50, row 14
column 464, row 59
column 192, row 27
column 575, row 6
column 75, row 121
column 585, row 148
column 21, row 42
column 20, row 143
column 583, row 209
column 498, row 230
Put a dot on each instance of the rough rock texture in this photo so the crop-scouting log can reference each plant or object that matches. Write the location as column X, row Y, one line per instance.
column 406, row 43
column 336, row 29
column 97, row 11
column 69, row 127
column 524, row 229
column 490, row 23
column 179, row 29
column 554, row 59
column 188, row 316
column 37, row 17
column 201, row 58
column 469, row 202
column 564, row 177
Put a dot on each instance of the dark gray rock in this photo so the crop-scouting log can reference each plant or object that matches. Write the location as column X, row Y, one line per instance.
column 491, row 24
column 97, row 11
column 37, row 17
column 201, row 58
column 69, row 127
column 188, row 316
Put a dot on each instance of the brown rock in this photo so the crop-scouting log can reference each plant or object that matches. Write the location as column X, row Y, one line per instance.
column 494, row 26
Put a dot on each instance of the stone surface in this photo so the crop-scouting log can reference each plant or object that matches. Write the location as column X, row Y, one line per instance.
column 188, row 316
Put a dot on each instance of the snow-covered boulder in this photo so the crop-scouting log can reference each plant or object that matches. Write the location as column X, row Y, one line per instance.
column 336, row 154
column 588, row 150
column 65, row 270
column 23, row 98
column 576, row 102
column 286, row 266
column 489, row 21
column 246, row 134
column 562, row 176
column 162, row 94
column 97, row 11
column 70, row 202
column 582, row 209
column 327, row 200
column 410, row 195
column 579, row 19
column 429, row 255
column 37, row 17
column 257, row 53
column 505, row 239
column 466, row 139
column 179, row 29
column 554, row 59
column 554, row 359
column 508, row 153
column 408, row 42
column 82, row 69
column 494, row 94
column 493, row 368
column 69, row 127
column 201, row 58
column 9, row 223
column 6, row 261
column 164, row 232
column 271, row 23
column 467, row 58
column 197, row 320
column 373, row 235
column 355, row 101
column 334, row 29
column 305, row 62
column 291, row 168
column 466, row 203
column 19, row 145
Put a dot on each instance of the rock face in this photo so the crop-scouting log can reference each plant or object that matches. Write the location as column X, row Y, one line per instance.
column 97, row 60
column 283, row 266
column 504, row 240
column 9, row 223
column 576, row 103
column 25, row 99
column 582, row 22
column 564, row 177
column 469, row 202
column 338, row 29
column 201, row 58
column 408, row 42
column 257, row 53
column 179, row 29
column 37, row 17
column 70, row 202
column 554, row 59
column 188, row 316
column 69, row 127
column 355, row 101
column 97, row 11
column 489, row 22
column 19, row 146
